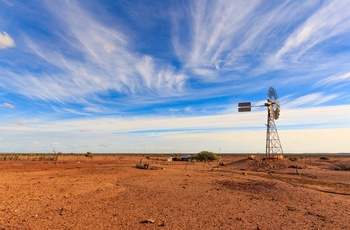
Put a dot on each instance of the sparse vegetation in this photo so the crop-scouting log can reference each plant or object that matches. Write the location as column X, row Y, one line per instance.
column 47, row 158
column 9, row 158
column 293, row 158
column 56, row 155
column 206, row 156
column 342, row 166
column 324, row 158
column 89, row 155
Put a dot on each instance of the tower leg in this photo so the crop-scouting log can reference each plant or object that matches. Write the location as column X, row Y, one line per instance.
column 273, row 144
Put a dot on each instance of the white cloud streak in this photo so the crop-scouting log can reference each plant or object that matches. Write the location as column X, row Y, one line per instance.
column 22, row 123
column 330, row 20
column 214, row 25
column 225, row 33
column 311, row 99
column 6, row 41
column 8, row 105
column 7, row 2
column 338, row 80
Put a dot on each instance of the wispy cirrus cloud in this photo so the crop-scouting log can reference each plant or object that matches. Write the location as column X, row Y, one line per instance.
column 225, row 43
column 91, row 60
column 331, row 20
column 226, row 35
column 8, row 105
column 22, row 123
column 213, row 30
column 7, row 2
column 6, row 41
column 311, row 99
column 337, row 80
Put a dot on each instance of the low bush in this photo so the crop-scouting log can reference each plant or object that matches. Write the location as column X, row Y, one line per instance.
column 324, row 158
column 90, row 155
column 293, row 158
column 206, row 156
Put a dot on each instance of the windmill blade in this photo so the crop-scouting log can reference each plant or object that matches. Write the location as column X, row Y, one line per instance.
column 277, row 113
column 278, row 109
column 271, row 111
column 272, row 94
column 273, row 103
column 274, row 111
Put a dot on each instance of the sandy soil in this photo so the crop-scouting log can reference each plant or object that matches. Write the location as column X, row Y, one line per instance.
column 109, row 192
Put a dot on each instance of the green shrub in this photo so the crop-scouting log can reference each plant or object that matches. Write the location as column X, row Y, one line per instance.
column 206, row 156
column 89, row 154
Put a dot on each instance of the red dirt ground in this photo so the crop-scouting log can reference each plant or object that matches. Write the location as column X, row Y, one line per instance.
column 109, row 192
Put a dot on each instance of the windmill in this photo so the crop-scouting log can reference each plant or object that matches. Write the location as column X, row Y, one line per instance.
column 273, row 144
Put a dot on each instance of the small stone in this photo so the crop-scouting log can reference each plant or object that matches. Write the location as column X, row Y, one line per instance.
column 289, row 208
column 147, row 221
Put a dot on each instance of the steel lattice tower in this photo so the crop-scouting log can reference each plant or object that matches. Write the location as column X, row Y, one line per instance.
column 273, row 144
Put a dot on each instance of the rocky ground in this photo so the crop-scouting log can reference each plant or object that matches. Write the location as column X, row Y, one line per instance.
column 109, row 192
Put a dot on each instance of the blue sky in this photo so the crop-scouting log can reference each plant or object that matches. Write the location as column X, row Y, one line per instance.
column 166, row 76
